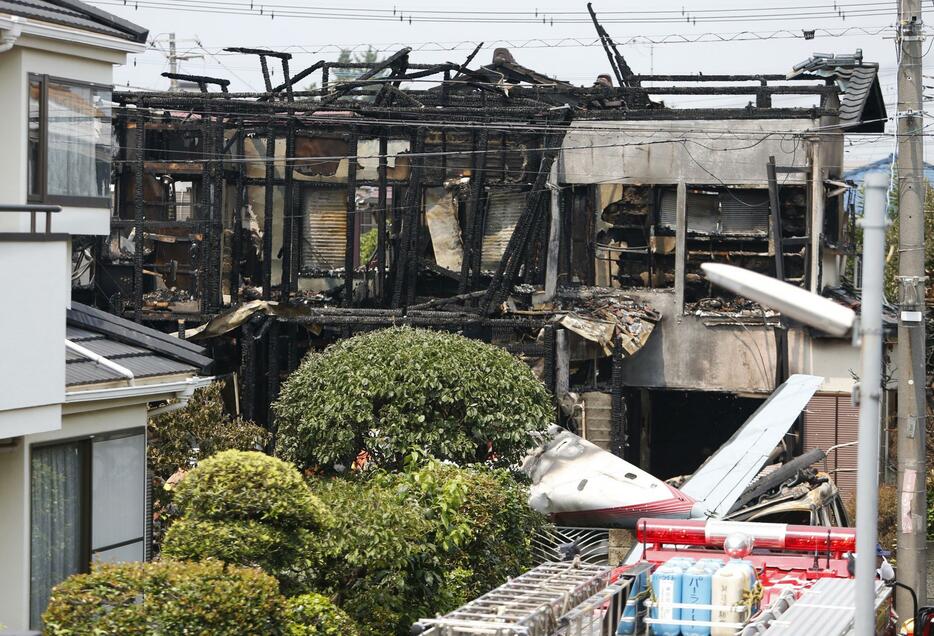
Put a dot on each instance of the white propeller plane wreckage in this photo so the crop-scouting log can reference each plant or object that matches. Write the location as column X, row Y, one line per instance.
column 580, row 484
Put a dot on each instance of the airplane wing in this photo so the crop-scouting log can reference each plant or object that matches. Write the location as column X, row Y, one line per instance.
column 720, row 480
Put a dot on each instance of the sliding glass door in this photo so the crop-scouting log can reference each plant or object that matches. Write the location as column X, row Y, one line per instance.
column 87, row 501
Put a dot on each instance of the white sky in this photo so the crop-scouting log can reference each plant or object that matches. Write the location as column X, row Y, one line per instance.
column 205, row 31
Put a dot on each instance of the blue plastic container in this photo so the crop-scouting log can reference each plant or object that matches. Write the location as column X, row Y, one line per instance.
column 666, row 585
column 640, row 579
column 696, row 586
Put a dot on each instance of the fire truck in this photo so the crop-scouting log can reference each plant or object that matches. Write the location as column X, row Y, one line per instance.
column 689, row 578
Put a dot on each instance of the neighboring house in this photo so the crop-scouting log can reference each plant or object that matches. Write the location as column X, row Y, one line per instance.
column 75, row 384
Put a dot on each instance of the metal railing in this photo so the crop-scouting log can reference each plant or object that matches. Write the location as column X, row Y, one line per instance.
column 33, row 209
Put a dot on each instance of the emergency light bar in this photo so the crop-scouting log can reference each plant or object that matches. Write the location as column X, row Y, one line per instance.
column 776, row 536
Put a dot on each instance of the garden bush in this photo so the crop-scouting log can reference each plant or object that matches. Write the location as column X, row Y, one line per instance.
column 249, row 509
column 421, row 542
column 375, row 559
column 315, row 615
column 388, row 391
column 493, row 511
column 166, row 597
column 198, row 430
column 180, row 438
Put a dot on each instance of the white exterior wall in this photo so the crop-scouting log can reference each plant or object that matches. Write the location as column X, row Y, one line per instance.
column 36, row 283
column 14, row 495
column 69, row 60
column 653, row 152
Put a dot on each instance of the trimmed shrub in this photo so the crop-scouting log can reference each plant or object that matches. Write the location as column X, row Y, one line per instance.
column 315, row 615
column 198, row 430
column 248, row 486
column 166, row 597
column 377, row 559
column 414, row 544
column 389, row 391
column 180, row 438
column 498, row 524
column 248, row 509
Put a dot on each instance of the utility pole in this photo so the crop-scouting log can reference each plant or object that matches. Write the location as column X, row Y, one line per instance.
column 870, row 397
column 173, row 63
column 912, row 507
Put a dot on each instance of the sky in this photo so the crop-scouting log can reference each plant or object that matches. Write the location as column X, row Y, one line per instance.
column 551, row 36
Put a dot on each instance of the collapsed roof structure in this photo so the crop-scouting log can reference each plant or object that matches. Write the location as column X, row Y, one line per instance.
column 566, row 223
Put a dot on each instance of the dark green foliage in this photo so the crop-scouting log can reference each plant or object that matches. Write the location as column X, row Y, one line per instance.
column 166, row 597
column 370, row 558
column 315, row 615
column 179, row 438
column 389, row 391
column 499, row 523
column 237, row 485
column 249, row 509
column 414, row 544
column 202, row 425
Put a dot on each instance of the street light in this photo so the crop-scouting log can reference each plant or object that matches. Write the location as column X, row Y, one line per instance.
column 826, row 315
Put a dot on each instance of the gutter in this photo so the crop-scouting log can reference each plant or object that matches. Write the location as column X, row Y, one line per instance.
column 101, row 360
column 182, row 397
column 10, row 34
column 181, row 388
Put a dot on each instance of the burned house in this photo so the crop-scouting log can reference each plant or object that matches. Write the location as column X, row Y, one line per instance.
column 565, row 223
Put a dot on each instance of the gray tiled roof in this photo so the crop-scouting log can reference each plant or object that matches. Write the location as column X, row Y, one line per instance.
column 862, row 107
column 141, row 362
column 143, row 351
column 74, row 13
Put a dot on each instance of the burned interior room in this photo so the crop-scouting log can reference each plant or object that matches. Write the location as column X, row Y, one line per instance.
column 565, row 223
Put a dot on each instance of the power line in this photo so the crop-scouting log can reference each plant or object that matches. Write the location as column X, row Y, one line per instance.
column 297, row 11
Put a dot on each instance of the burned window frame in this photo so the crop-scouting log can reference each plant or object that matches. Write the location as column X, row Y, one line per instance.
column 39, row 175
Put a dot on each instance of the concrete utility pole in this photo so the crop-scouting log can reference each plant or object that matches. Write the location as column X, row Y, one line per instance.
column 870, row 398
column 173, row 63
column 912, row 508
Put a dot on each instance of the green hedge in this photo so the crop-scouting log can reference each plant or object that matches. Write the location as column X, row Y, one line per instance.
column 414, row 544
column 248, row 509
column 248, row 486
column 315, row 615
column 389, row 391
column 166, row 597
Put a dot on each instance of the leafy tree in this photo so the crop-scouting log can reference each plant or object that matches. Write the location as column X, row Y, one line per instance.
column 427, row 540
column 315, row 615
column 373, row 558
column 166, row 597
column 248, row 509
column 389, row 391
column 178, row 439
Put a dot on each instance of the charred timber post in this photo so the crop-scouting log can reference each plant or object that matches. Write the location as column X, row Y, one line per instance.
column 272, row 380
column 474, row 230
column 350, row 233
column 236, row 245
column 288, row 213
column 411, row 212
column 248, row 368
column 381, row 220
column 618, row 440
column 267, row 213
column 205, row 247
column 216, row 297
column 138, row 217
column 517, row 247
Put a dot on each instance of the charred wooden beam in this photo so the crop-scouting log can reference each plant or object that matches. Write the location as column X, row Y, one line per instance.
column 350, row 233
column 474, row 229
column 381, row 219
column 267, row 215
column 138, row 217
column 201, row 80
